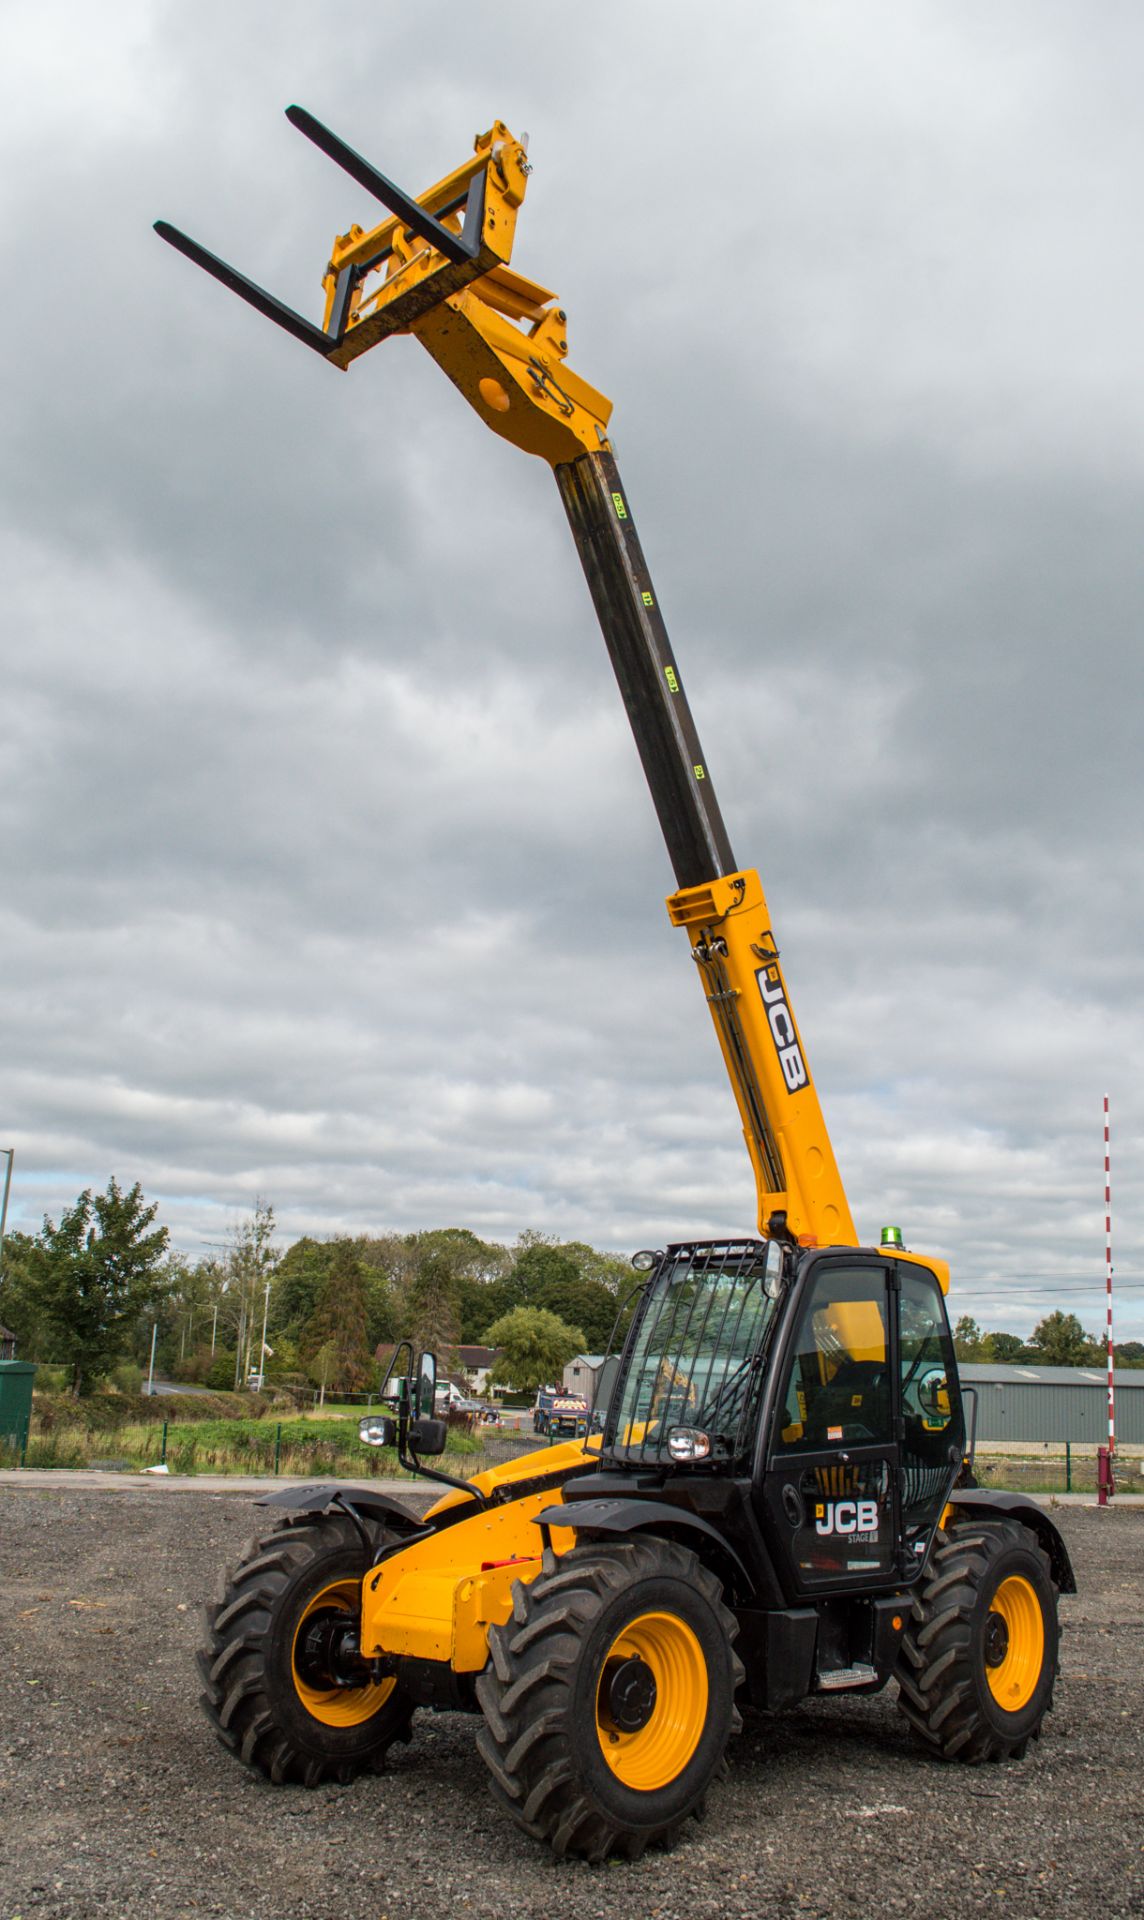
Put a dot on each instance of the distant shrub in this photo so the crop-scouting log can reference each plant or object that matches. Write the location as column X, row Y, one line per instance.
column 51, row 1379
column 220, row 1373
column 126, row 1377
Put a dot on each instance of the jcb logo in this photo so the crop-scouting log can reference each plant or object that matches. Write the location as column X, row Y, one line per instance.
column 846, row 1516
column 782, row 1028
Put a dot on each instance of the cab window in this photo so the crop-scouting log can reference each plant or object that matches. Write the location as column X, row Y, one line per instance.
column 837, row 1391
column 932, row 1421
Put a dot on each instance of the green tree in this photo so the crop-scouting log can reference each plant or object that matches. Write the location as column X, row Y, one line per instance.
column 302, row 1272
column 1006, row 1350
column 432, row 1309
column 535, row 1346
column 336, row 1334
column 570, row 1280
column 22, row 1305
column 96, row 1272
column 298, row 1280
column 1059, row 1340
column 249, row 1268
column 968, row 1339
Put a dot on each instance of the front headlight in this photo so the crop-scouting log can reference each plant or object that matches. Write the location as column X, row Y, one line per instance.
column 376, row 1430
column 687, row 1443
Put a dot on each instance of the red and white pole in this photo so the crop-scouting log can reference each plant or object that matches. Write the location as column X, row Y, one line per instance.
column 1108, row 1282
column 1105, row 1478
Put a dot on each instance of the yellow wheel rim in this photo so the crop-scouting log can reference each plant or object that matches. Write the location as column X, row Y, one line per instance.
column 1016, row 1629
column 338, row 1706
column 658, row 1752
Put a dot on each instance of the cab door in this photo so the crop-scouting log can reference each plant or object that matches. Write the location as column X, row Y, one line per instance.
column 831, row 1491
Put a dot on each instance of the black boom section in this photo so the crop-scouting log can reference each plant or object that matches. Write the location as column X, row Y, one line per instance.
column 649, row 679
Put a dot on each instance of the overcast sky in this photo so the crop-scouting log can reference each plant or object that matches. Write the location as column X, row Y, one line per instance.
column 328, row 874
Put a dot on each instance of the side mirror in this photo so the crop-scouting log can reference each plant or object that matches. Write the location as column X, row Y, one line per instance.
column 427, row 1436
column 378, row 1430
column 426, row 1388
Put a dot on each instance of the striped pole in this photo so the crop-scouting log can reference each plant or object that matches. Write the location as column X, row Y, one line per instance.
column 1108, row 1281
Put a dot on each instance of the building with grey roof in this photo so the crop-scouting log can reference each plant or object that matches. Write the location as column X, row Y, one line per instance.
column 1055, row 1404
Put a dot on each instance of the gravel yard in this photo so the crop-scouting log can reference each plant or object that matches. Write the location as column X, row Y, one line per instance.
column 115, row 1799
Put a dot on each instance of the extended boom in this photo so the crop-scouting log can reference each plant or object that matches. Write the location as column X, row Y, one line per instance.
column 438, row 268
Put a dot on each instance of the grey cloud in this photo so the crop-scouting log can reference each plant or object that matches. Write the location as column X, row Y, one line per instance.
column 328, row 872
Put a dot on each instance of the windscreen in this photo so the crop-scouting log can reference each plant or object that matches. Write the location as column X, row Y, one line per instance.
column 696, row 1355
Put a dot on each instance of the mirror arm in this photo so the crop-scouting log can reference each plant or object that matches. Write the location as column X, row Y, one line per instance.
column 412, row 1464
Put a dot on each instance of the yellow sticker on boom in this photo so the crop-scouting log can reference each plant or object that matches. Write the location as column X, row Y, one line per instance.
column 618, row 503
column 672, row 682
column 647, row 599
column 699, row 773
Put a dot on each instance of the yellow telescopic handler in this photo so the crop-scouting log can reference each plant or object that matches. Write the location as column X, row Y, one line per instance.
column 779, row 1500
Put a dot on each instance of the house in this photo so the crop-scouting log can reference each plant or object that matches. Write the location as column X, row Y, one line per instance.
column 7, row 1343
column 475, row 1363
column 470, row 1368
column 582, row 1375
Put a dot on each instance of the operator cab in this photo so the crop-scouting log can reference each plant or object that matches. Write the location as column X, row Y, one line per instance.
column 822, row 1379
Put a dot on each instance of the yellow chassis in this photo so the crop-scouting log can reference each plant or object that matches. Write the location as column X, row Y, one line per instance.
column 437, row 1599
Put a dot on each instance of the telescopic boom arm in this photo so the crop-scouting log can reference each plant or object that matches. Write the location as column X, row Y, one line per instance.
column 438, row 268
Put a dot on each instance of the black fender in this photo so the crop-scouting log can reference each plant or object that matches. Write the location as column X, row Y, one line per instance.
column 654, row 1516
column 365, row 1501
column 1018, row 1506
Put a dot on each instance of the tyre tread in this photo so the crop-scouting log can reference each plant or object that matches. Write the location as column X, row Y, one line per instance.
column 937, row 1672
column 526, row 1694
column 239, row 1694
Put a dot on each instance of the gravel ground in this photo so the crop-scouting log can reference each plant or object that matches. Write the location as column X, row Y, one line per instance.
column 116, row 1800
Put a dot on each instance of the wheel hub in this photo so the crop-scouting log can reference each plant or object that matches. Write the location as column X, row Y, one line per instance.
column 996, row 1639
column 627, row 1695
column 327, row 1652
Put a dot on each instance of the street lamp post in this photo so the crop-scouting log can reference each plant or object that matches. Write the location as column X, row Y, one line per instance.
column 262, row 1350
column 11, row 1153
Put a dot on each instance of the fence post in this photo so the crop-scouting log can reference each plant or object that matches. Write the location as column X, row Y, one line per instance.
column 24, row 1441
column 163, row 1453
column 277, row 1445
column 1068, row 1466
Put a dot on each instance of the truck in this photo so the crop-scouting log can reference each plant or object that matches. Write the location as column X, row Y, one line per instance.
column 780, row 1501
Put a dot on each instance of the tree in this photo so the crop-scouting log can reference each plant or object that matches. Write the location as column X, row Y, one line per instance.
column 535, row 1346
column 1007, row 1350
column 250, row 1262
column 21, row 1302
column 95, row 1274
column 301, row 1274
column 298, row 1279
column 1059, row 1340
column 336, row 1334
column 432, row 1313
column 968, row 1339
column 570, row 1280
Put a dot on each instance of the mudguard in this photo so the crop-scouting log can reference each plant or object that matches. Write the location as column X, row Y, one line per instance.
column 364, row 1500
column 649, row 1516
column 1018, row 1506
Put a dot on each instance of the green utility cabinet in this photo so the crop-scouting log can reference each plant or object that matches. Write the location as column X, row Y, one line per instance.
column 16, row 1377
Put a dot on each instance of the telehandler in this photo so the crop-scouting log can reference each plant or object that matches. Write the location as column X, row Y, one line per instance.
column 780, row 1502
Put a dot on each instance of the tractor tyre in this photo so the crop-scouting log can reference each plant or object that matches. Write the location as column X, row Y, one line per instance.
column 979, row 1656
column 270, row 1690
column 609, row 1697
